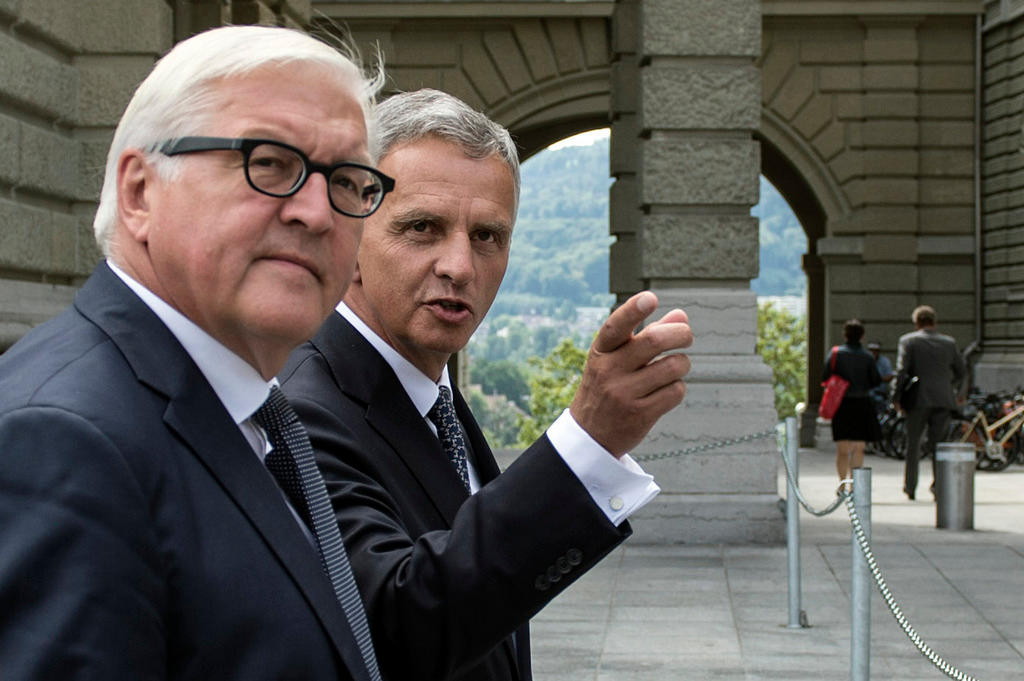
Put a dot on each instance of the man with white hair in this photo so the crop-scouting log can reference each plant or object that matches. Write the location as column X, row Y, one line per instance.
column 160, row 513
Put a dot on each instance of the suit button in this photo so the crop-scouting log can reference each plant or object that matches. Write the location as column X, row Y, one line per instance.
column 563, row 565
column 574, row 556
column 553, row 574
column 542, row 583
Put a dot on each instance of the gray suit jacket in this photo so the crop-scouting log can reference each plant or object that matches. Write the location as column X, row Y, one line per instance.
column 935, row 360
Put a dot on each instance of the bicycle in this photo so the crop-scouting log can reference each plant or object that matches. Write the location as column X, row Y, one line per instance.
column 998, row 443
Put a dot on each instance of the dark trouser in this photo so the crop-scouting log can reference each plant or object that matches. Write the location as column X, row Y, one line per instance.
column 937, row 420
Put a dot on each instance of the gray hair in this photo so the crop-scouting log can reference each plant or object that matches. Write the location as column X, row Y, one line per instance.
column 410, row 116
column 178, row 97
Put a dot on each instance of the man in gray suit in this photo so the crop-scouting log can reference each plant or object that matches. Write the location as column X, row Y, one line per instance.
column 935, row 360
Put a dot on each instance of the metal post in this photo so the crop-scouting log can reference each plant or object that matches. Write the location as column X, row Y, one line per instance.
column 796, row 615
column 860, row 583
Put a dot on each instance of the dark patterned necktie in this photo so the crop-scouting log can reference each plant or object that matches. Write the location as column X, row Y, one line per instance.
column 292, row 464
column 450, row 433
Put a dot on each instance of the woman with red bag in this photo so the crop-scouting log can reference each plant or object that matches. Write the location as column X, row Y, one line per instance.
column 854, row 423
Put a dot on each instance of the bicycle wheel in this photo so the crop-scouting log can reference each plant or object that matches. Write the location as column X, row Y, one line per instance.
column 1008, row 451
column 896, row 438
column 962, row 430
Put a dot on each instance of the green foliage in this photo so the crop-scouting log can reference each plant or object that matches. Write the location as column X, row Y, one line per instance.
column 501, row 377
column 782, row 344
column 498, row 417
column 553, row 383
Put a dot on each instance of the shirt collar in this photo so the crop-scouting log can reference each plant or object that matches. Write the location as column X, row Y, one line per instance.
column 421, row 388
column 236, row 382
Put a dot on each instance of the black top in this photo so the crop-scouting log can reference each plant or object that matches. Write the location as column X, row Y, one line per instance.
column 857, row 366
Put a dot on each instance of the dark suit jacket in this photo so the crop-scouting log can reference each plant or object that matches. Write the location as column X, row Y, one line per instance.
column 446, row 578
column 935, row 360
column 140, row 536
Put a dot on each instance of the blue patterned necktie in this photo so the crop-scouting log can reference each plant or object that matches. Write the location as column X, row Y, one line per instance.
column 450, row 433
column 292, row 464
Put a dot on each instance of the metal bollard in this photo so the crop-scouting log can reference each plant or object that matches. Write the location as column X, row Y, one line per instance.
column 860, row 583
column 797, row 617
column 954, row 485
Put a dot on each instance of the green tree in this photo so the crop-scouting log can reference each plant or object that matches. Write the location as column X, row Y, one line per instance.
column 782, row 344
column 498, row 418
column 553, row 382
column 502, row 377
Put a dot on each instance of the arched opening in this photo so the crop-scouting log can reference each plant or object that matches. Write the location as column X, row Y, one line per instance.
column 797, row 192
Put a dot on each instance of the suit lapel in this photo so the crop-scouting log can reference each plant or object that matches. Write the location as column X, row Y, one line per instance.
column 362, row 374
column 197, row 416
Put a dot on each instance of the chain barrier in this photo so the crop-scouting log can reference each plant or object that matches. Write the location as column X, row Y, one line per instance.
column 705, row 447
column 894, row 607
column 840, row 493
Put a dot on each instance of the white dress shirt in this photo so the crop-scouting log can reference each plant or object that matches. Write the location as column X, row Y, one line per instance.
column 618, row 486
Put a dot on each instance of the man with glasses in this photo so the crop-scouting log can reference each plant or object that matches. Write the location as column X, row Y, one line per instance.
column 161, row 516
column 451, row 558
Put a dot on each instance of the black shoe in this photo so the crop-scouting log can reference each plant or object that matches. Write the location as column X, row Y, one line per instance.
column 909, row 493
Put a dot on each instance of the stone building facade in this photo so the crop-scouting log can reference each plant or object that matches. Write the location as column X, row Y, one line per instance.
column 892, row 127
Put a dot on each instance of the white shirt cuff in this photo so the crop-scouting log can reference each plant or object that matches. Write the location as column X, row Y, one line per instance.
column 619, row 487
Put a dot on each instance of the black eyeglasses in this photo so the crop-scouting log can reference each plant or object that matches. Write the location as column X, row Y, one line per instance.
column 279, row 169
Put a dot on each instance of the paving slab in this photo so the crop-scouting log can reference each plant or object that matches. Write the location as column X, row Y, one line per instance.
column 719, row 612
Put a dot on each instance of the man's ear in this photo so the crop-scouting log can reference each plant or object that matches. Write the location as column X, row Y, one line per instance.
column 135, row 181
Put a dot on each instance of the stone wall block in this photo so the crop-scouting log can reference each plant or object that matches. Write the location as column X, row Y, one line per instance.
column 831, row 52
column 813, row 117
column 890, row 248
column 108, row 26
column 456, row 83
column 594, row 40
column 946, row 133
column 624, row 146
column 880, row 162
column 624, row 265
column 36, row 80
column 405, row 79
column 794, row 93
column 723, row 349
column 870, row 277
column 625, row 26
column 504, row 51
column 9, row 8
column 776, row 66
column 25, row 237
column 847, row 164
column 890, row 133
column 699, row 171
column 699, row 246
column 881, row 191
column 890, row 77
column 252, row 12
column 830, row 141
column 10, row 150
column 536, row 48
column 947, row 77
column 25, row 304
column 840, row 79
column 625, row 87
column 700, row 98
column 948, row 162
column 891, row 105
column 88, row 252
column 106, row 85
column 481, row 72
column 49, row 162
column 698, row 27
column 947, row 278
column 421, row 50
column 938, row 191
column 565, row 44
column 624, row 210
column 64, row 243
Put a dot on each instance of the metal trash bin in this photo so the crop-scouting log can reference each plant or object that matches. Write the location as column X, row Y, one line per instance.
column 954, row 485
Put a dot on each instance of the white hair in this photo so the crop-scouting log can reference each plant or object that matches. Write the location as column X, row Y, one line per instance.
column 179, row 96
column 410, row 116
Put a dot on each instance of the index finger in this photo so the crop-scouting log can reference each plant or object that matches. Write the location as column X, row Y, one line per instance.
column 618, row 328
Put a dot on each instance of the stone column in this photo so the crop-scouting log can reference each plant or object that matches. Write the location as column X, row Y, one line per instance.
column 698, row 103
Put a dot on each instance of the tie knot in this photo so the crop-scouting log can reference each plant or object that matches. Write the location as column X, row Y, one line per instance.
column 276, row 413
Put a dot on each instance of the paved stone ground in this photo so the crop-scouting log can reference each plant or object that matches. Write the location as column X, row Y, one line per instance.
column 660, row 613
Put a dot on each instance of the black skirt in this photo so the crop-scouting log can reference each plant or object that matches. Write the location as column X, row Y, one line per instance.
column 856, row 420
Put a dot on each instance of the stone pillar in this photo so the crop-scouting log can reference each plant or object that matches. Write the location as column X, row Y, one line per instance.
column 697, row 105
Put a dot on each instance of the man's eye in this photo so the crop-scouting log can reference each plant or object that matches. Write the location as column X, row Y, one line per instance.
column 419, row 226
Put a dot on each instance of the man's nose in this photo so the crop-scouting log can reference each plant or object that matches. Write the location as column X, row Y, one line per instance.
column 310, row 205
column 455, row 260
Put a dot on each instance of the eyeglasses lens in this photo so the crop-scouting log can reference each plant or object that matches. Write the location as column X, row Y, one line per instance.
column 354, row 190
column 275, row 170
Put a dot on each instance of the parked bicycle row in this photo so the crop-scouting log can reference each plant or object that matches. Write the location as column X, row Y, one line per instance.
column 992, row 422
